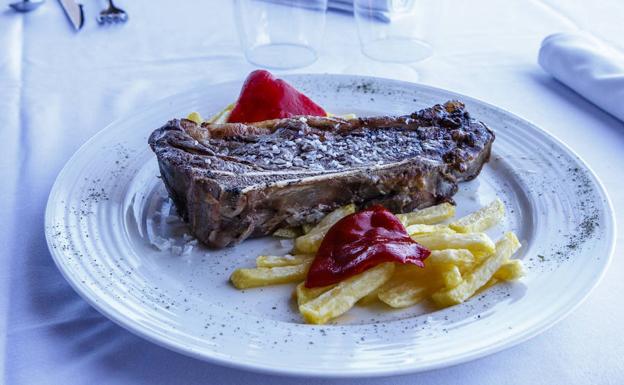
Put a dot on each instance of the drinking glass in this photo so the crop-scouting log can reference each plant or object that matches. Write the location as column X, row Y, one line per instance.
column 281, row 34
column 394, row 30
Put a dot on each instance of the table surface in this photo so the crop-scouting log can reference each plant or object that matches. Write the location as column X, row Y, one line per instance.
column 58, row 88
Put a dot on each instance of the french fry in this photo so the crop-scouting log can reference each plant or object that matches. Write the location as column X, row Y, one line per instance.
column 460, row 257
column 429, row 215
column 344, row 116
column 475, row 242
column 287, row 232
column 480, row 220
column 403, row 293
column 427, row 276
column 310, row 242
column 409, row 285
column 223, row 115
column 421, row 229
column 330, row 219
column 435, row 274
column 406, row 270
column 264, row 276
column 344, row 295
column 304, row 294
column 479, row 256
column 472, row 281
column 451, row 276
column 510, row 270
column 306, row 228
column 283, row 260
column 195, row 117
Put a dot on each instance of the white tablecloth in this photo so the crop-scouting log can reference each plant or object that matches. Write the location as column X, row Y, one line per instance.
column 57, row 88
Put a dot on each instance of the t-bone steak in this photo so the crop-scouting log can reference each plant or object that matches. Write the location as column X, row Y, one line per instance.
column 233, row 181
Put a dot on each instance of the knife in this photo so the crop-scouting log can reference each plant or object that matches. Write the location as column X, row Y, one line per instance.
column 74, row 13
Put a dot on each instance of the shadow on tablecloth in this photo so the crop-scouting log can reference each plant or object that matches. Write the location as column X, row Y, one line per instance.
column 571, row 97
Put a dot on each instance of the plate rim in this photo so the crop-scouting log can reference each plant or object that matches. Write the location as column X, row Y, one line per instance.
column 500, row 345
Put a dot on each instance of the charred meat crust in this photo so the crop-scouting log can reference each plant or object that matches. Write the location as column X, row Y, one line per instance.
column 234, row 181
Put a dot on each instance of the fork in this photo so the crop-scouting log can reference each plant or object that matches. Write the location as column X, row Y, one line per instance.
column 112, row 14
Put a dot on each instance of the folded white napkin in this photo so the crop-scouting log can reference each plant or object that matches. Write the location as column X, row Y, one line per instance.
column 588, row 66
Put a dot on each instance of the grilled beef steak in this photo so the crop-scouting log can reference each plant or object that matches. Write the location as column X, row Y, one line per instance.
column 233, row 181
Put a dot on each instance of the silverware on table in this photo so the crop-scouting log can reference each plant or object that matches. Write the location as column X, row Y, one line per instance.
column 74, row 13
column 112, row 14
column 26, row 5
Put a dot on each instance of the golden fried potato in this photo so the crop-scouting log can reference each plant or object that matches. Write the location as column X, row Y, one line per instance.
column 422, row 229
column 472, row 281
column 410, row 284
column 475, row 242
column 330, row 219
column 461, row 258
column 310, row 242
column 283, row 260
column 429, row 215
column 287, row 232
column 403, row 293
column 344, row 295
column 451, row 276
column 429, row 275
column 480, row 220
column 195, row 117
column 343, row 116
column 510, row 270
column 304, row 294
column 223, row 115
column 264, row 276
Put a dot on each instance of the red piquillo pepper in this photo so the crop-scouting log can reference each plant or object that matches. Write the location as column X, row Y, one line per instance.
column 361, row 241
column 265, row 97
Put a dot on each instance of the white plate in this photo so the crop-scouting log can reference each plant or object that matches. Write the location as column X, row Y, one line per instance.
column 100, row 222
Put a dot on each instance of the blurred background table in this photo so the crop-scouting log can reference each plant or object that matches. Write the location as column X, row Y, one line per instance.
column 58, row 88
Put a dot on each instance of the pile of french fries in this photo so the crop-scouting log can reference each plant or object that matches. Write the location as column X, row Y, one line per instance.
column 463, row 261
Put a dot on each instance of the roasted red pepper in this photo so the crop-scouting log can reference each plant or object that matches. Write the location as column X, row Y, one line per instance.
column 361, row 241
column 264, row 97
